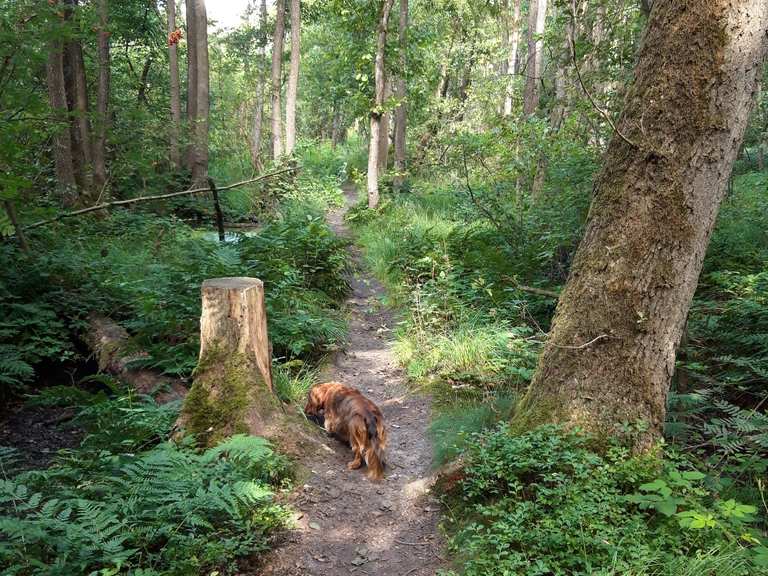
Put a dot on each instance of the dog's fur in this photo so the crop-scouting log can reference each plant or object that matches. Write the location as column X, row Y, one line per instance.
column 354, row 419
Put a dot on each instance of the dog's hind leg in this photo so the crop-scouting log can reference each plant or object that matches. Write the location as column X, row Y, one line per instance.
column 357, row 438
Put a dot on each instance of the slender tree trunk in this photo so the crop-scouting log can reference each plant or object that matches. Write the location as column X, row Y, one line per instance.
column 62, row 143
column 401, row 112
column 81, row 127
column 611, row 351
column 293, row 78
column 191, row 78
column 173, row 68
column 537, row 16
column 200, row 127
column 337, row 131
column 442, row 85
column 102, row 102
column 386, row 125
column 512, row 54
column 376, row 111
column 277, row 69
column 258, row 120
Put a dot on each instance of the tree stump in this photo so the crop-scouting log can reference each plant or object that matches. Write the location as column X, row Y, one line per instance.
column 232, row 390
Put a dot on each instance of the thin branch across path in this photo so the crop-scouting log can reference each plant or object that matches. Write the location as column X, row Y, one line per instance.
column 129, row 201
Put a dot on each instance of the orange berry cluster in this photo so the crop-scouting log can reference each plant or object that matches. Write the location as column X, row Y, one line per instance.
column 174, row 37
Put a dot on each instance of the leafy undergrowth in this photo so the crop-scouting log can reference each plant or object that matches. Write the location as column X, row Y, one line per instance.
column 145, row 272
column 544, row 503
column 131, row 501
column 468, row 329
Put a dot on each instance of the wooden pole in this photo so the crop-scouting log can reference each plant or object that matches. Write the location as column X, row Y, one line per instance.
column 217, row 208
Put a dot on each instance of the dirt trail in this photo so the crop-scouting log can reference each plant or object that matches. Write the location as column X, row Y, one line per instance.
column 349, row 525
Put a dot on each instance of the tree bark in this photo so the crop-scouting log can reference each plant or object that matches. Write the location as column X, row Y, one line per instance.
column 62, row 143
column 10, row 211
column 610, row 354
column 512, row 54
column 102, row 102
column 174, row 132
column 112, row 348
column 537, row 16
column 258, row 111
column 232, row 391
column 191, row 78
column 77, row 92
column 386, row 126
column 293, row 78
column 199, row 166
column 258, row 120
column 277, row 69
column 378, row 103
column 401, row 112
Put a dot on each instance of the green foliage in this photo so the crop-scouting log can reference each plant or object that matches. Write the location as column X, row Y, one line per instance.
column 468, row 329
column 128, row 500
column 146, row 271
column 167, row 510
column 545, row 503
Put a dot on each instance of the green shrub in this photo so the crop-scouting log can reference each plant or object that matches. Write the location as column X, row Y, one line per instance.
column 545, row 503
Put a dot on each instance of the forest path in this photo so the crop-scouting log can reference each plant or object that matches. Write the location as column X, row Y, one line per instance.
column 348, row 524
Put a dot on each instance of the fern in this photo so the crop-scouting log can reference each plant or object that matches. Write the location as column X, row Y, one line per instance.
column 169, row 510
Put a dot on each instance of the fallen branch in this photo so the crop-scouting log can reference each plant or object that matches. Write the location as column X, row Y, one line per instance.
column 532, row 290
column 539, row 291
column 156, row 197
column 110, row 344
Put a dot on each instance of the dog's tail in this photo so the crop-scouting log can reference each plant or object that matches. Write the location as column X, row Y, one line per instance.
column 377, row 443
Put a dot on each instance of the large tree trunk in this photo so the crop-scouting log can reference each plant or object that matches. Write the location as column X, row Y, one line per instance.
column 293, row 78
column 191, row 78
column 102, row 102
column 277, row 69
column 232, row 391
column 537, row 16
column 200, row 127
column 174, row 132
column 62, row 143
column 401, row 112
column 611, row 351
column 378, row 103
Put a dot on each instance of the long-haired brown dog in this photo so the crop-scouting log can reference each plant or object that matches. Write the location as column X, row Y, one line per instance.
column 354, row 419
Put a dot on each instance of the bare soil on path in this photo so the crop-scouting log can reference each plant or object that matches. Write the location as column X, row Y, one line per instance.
column 347, row 524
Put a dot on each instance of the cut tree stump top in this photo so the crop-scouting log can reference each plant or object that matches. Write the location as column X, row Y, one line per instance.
column 233, row 283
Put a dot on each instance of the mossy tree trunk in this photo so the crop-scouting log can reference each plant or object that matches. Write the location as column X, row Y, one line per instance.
column 232, row 389
column 611, row 351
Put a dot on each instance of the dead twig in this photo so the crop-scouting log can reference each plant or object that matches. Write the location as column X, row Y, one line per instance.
column 582, row 346
column 404, row 543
